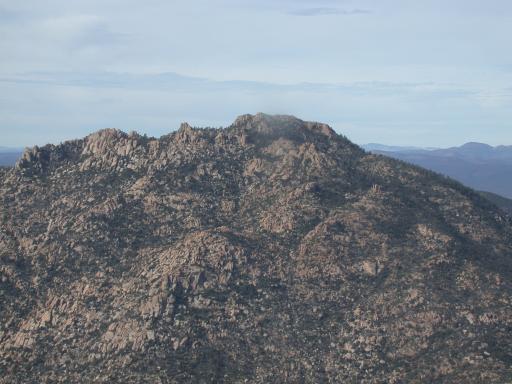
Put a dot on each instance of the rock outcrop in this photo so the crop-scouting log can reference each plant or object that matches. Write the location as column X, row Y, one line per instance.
column 271, row 251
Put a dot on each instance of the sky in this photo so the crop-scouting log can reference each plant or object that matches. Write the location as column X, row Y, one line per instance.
column 425, row 73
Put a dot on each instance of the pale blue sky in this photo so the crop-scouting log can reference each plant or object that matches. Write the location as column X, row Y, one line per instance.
column 425, row 73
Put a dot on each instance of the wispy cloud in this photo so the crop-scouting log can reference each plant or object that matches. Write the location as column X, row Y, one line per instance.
column 79, row 31
column 8, row 16
column 175, row 82
column 323, row 11
column 41, row 107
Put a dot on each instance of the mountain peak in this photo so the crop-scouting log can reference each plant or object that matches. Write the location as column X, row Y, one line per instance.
column 114, row 149
column 475, row 144
column 472, row 145
column 185, row 127
column 283, row 125
column 103, row 141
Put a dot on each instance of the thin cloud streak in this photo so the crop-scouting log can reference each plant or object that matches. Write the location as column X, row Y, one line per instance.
column 172, row 82
column 49, row 107
column 324, row 11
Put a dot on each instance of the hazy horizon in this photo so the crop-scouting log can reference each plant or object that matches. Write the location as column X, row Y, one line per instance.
column 6, row 148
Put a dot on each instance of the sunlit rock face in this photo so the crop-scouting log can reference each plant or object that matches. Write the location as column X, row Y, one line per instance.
column 271, row 251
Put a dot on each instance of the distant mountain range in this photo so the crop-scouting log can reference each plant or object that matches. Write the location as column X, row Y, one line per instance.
column 479, row 166
column 8, row 156
column 10, row 149
column 394, row 148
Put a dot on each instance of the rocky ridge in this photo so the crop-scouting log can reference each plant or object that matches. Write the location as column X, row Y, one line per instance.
column 273, row 250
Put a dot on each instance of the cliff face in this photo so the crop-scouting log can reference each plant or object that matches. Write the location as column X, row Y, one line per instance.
column 270, row 251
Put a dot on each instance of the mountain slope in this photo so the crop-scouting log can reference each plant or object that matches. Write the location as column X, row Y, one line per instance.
column 270, row 251
column 500, row 201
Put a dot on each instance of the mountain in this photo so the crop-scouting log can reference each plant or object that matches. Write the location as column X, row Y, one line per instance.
column 10, row 150
column 270, row 251
column 476, row 165
column 9, row 156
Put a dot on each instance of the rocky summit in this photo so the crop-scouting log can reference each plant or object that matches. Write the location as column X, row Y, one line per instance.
column 270, row 251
